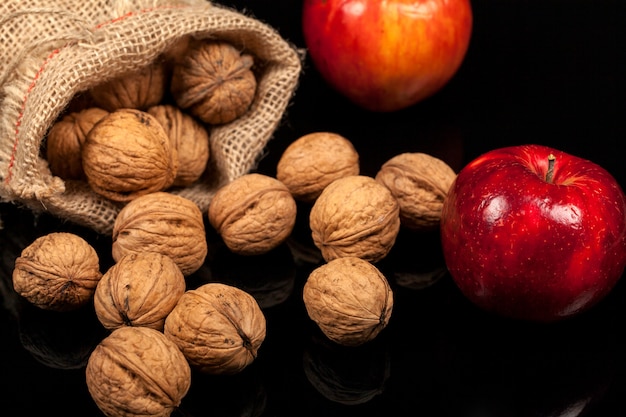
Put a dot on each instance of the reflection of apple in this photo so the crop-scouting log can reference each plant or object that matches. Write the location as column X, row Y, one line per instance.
column 387, row 55
column 534, row 233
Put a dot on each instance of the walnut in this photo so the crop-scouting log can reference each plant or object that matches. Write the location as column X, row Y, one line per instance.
column 218, row 327
column 139, row 89
column 420, row 183
column 214, row 82
column 355, row 216
column 313, row 161
column 58, row 271
column 128, row 154
column 65, row 142
column 349, row 299
column 188, row 137
column 164, row 223
column 137, row 371
column 139, row 290
column 253, row 213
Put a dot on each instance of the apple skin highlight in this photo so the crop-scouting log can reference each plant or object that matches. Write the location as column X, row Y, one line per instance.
column 527, row 248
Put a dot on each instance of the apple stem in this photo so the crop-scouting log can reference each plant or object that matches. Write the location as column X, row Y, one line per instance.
column 550, row 173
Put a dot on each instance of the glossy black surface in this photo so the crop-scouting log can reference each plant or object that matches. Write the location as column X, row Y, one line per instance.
column 550, row 72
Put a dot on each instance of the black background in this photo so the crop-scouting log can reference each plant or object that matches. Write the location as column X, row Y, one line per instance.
column 537, row 71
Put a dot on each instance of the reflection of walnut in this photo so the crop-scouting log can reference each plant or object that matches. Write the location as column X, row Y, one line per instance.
column 128, row 154
column 190, row 138
column 139, row 290
column 349, row 299
column 58, row 271
column 313, row 161
column 65, row 141
column 253, row 214
column 218, row 327
column 214, row 82
column 137, row 90
column 164, row 223
column 137, row 371
column 420, row 183
column 355, row 216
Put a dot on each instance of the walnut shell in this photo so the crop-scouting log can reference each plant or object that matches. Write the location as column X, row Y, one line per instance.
column 214, row 82
column 136, row 90
column 137, row 371
column 349, row 299
column 218, row 327
column 355, row 216
column 253, row 213
column 313, row 161
column 164, row 223
column 58, row 271
column 420, row 183
column 65, row 141
column 188, row 137
column 128, row 154
column 141, row 289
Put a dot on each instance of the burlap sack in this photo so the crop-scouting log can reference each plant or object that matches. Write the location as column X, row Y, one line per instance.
column 53, row 50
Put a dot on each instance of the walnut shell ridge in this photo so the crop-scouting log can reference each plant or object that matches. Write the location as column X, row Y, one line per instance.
column 137, row 371
column 313, row 161
column 349, row 299
column 218, row 327
column 164, row 223
column 420, row 183
column 355, row 216
column 253, row 214
column 58, row 271
column 141, row 289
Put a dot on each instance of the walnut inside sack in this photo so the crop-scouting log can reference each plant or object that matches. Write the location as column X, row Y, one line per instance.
column 58, row 271
column 355, row 216
column 65, row 140
column 253, row 214
column 349, row 299
column 128, row 154
column 420, row 183
column 137, row 371
column 218, row 327
column 139, row 89
column 313, row 161
column 164, row 223
column 141, row 289
column 214, row 81
column 188, row 137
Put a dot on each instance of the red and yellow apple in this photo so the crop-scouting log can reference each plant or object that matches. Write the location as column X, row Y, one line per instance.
column 386, row 55
column 533, row 233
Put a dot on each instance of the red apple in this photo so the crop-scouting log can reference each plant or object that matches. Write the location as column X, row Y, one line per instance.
column 387, row 55
column 533, row 233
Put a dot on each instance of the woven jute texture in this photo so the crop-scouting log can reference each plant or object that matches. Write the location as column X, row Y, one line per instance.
column 52, row 51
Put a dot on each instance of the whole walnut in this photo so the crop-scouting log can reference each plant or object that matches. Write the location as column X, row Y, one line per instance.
column 141, row 289
column 137, row 371
column 218, row 327
column 349, row 299
column 128, row 154
column 420, row 183
column 355, row 216
column 214, row 81
column 313, row 161
column 164, row 223
column 139, row 89
column 65, row 141
column 57, row 271
column 188, row 137
column 253, row 213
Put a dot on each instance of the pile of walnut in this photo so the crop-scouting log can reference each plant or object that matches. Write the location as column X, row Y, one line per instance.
column 160, row 330
column 149, row 130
